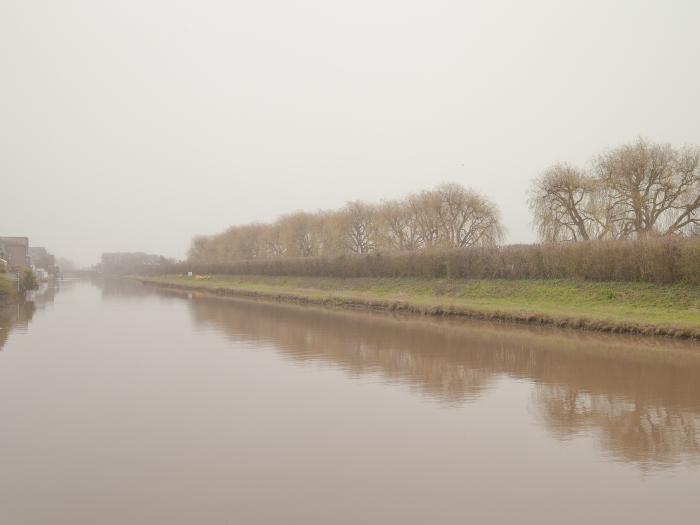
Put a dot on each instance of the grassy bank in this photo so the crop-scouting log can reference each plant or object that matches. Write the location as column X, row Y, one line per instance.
column 641, row 308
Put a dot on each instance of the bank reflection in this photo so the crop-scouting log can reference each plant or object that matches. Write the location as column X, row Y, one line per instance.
column 642, row 397
column 17, row 315
column 113, row 287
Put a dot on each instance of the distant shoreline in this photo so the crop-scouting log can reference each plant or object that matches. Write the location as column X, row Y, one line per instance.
column 621, row 308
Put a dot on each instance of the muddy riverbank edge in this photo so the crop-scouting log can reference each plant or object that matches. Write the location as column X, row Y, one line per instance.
column 331, row 300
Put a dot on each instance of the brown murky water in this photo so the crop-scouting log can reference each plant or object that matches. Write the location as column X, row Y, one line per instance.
column 125, row 405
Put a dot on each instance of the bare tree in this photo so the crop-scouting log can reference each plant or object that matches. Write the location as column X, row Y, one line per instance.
column 358, row 227
column 638, row 190
column 397, row 226
column 449, row 216
column 199, row 249
column 570, row 205
column 240, row 242
column 424, row 208
column 329, row 232
column 272, row 240
column 300, row 234
column 654, row 188
column 466, row 218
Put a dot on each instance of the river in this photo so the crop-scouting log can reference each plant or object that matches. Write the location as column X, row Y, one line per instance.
column 123, row 404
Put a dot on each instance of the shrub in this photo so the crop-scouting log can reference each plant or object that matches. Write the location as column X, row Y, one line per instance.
column 27, row 280
column 7, row 288
column 660, row 260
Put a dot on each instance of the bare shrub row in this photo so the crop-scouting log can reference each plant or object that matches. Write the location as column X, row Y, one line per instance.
column 659, row 260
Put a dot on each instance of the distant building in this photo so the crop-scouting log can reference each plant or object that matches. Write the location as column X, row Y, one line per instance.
column 15, row 250
column 41, row 258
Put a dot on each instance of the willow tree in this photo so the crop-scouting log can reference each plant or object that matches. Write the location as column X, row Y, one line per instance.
column 638, row 190
column 654, row 188
column 570, row 205
column 357, row 227
column 300, row 234
column 425, row 210
column 397, row 226
column 449, row 216
column 466, row 218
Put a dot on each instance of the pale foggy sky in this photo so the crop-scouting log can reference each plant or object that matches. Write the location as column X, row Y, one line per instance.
column 134, row 125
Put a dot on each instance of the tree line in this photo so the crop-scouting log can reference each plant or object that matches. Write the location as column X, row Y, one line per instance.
column 448, row 216
column 636, row 191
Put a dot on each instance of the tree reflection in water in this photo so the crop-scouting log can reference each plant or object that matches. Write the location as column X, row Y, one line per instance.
column 642, row 396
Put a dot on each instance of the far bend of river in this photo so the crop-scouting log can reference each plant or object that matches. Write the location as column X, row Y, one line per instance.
column 121, row 404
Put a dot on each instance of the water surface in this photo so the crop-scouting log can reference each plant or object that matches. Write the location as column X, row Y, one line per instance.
column 123, row 404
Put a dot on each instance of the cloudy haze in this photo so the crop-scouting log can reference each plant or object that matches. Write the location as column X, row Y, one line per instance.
column 134, row 125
